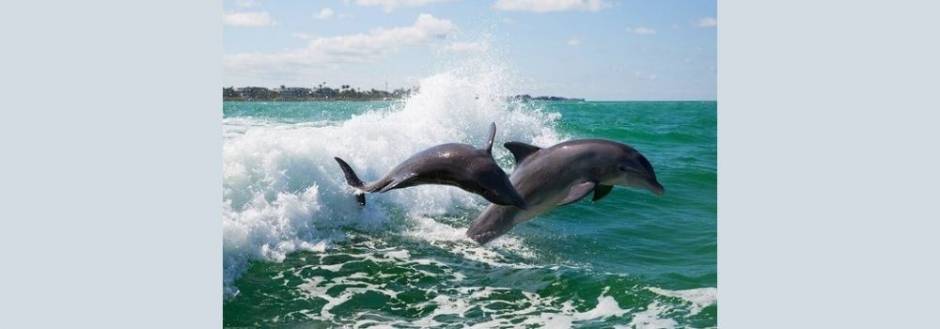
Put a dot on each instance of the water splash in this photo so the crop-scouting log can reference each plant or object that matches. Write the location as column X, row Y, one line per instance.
column 282, row 191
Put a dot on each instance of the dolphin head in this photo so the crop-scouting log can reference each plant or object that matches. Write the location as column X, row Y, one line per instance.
column 492, row 183
column 634, row 170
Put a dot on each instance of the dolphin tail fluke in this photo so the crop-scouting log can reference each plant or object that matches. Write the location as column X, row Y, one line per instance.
column 361, row 198
column 352, row 180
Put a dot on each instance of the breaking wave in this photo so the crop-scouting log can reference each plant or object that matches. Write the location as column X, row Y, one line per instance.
column 283, row 192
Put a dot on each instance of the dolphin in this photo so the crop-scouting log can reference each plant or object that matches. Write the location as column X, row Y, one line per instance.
column 460, row 165
column 563, row 174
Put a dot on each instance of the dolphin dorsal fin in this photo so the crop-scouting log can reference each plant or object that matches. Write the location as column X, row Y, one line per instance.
column 489, row 143
column 521, row 150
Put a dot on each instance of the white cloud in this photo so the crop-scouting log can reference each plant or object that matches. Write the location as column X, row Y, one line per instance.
column 248, row 19
column 574, row 42
column 390, row 5
column 246, row 3
column 641, row 30
column 708, row 22
column 340, row 49
column 544, row 6
column 468, row 47
column 326, row 13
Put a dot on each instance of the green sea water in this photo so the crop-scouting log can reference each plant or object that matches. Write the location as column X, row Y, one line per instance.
column 300, row 254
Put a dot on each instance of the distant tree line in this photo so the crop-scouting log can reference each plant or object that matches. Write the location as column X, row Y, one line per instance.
column 320, row 93
column 527, row 97
column 324, row 93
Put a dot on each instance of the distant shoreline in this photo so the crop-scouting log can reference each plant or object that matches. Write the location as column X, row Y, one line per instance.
column 345, row 93
column 320, row 93
column 541, row 100
column 238, row 99
column 349, row 94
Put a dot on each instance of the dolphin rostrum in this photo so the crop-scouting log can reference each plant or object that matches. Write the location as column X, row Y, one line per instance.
column 460, row 165
column 562, row 174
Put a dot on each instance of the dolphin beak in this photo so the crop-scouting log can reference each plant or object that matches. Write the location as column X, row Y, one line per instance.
column 657, row 188
column 519, row 202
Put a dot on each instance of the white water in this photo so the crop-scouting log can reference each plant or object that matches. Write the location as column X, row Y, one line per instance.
column 698, row 299
column 455, row 299
column 283, row 192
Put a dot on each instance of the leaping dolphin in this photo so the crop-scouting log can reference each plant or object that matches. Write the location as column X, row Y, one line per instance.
column 460, row 165
column 563, row 174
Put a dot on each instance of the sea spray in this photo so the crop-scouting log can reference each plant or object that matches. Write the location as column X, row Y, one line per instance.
column 283, row 193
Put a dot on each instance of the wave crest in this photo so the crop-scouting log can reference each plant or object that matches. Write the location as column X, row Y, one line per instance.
column 282, row 191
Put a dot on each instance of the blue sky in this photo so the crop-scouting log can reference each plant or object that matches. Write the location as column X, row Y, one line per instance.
column 596, row 49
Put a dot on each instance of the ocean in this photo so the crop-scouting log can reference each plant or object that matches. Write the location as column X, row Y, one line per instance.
column 300, row 253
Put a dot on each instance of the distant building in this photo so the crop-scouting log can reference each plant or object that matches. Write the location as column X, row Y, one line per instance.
column 295, row 92
column 325, row 93
column 251, row 93
column 229, row 92
column 527, row 97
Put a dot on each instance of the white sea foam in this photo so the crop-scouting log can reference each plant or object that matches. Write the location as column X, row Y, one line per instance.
column 448, row 301
column 348, row 286
column 455, row 241
column 283, row 192
column 543, row 313
column 315, row 287
column 651, row 318
column 658, row 315
column 698, row 298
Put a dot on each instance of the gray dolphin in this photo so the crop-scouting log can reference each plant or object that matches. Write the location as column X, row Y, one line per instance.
column 460, row 165
column 563, row 174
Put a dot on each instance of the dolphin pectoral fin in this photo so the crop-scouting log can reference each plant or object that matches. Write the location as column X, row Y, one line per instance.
column 577, row 192
column 397, row 182
column 521, row 150
column 601, row 191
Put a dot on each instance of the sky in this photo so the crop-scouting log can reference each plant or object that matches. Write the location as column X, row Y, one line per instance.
column 594, row 49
